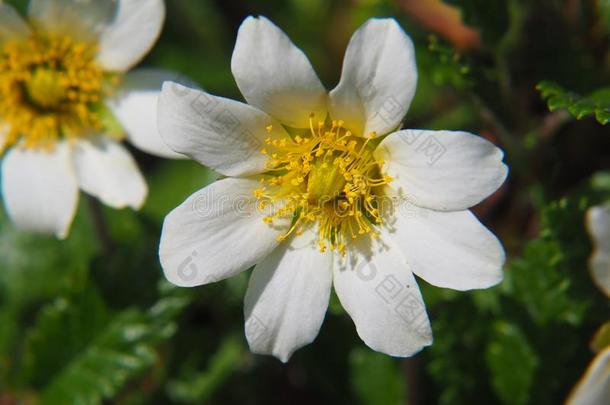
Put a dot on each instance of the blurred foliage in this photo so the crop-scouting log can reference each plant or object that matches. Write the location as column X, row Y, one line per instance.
column 90, row 320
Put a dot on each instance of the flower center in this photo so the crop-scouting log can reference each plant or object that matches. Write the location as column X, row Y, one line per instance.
column 327, row 176
column 50, row 88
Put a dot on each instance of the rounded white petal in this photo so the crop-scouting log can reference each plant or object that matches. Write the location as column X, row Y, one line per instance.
column 594, row 387
column 40, row 190
column 442, row 170
column 276, row 76
column 447, row 249
column 378, row 290
column 287, row 297
column 135, row 106
column 215, row 234
column 12, row 26
column 598, row 223
column 132, row 34
column 220, row 133
column 378, row 79
column 80, row 19
column 106, row 170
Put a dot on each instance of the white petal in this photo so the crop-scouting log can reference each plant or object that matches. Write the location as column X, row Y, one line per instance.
column 378, row 290
column 378, row 79
column 594, row 386
column 135, row 106
column 442, row 170
column 80, row 19
column 448, row 249
column 276, row 76
column 215, row 234
column 220, row 133
column 106, row 170
column 287, row 297
column 132, row 34
column 40, row 189
column 12, row 26
column 598, row 223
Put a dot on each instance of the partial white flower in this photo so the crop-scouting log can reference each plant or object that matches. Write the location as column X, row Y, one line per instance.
column 66, row 102
column 594, row 386
column 323, row 189
column 598, row 223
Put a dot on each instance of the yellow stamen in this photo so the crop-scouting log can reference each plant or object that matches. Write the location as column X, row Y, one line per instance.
column 329, row 177
column 49, row 90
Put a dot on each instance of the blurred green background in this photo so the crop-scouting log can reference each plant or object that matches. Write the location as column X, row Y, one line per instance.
column 91, row 320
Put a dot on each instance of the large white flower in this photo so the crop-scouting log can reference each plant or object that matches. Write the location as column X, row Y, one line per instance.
column 66, row 102
column 598, row 223
column 323, row 190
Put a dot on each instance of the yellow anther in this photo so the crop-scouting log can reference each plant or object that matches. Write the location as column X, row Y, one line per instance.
column 329, row 180
column 49, row 90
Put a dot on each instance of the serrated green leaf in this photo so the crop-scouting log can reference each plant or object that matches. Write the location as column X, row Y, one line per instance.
column 541, row 278
column 104, row 366
column 121, row 350
column 597, row 104
column 512, row 363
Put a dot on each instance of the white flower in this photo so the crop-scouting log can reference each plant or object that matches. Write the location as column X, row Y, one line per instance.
column 66, row 103
column 598, row 223
column 594, row 387
column 310, row 179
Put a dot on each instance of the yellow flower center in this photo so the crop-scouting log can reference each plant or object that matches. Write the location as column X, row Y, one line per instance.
column 327, row 176
column 50, row 88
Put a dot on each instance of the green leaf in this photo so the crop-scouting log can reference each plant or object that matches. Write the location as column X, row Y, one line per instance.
column 445, row 65
column 541, row 279
column 197, row 388
column 512, row 362
column 376, row 378
column 596, row 104
column 63, row 328
column 123, row 349
column 34, row 269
